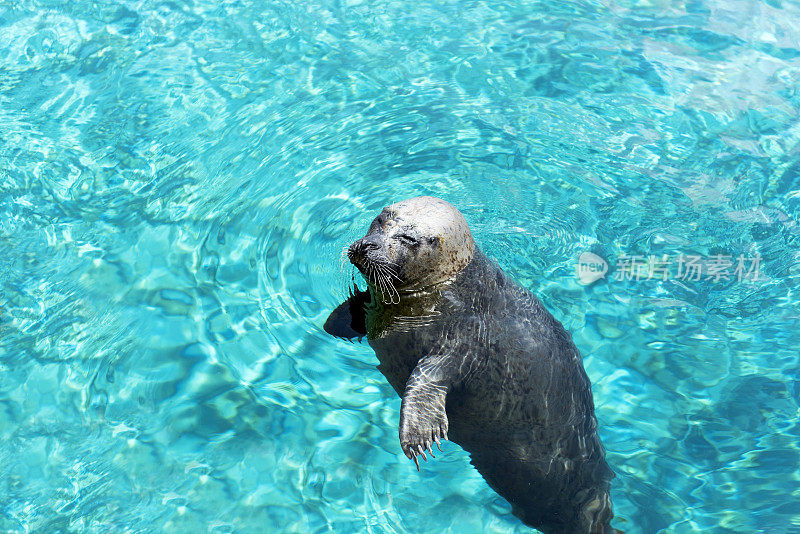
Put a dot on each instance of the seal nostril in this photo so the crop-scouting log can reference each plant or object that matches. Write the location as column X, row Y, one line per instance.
column 361, row 247
column 356, row 251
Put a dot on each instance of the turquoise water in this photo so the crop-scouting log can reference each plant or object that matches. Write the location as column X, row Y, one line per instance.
column 178, row 180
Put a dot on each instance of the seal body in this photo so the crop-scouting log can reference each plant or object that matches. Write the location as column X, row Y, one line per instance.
column 477, row 359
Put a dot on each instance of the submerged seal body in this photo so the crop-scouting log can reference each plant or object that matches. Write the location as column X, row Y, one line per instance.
column 477, row 359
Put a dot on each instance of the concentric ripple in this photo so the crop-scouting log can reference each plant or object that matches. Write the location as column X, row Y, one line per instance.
column 178, row 180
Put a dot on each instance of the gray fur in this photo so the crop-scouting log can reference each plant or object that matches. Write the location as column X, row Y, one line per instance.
column 477, row 359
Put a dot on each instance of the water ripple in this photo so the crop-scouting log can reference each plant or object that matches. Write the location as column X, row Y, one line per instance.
column 178, row 181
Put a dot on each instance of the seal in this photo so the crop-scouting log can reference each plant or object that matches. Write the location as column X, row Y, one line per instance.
column 478, row 360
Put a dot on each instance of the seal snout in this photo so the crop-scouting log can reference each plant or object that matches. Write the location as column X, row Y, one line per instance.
column 359, row 250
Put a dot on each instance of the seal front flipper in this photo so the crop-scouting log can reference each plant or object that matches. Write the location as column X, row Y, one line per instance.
column 423, row 419
column 349, row 319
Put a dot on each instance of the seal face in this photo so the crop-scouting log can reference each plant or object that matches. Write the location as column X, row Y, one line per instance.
column 477, row 359
column 413, row 245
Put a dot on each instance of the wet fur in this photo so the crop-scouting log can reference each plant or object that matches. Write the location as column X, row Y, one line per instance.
column 479, row 359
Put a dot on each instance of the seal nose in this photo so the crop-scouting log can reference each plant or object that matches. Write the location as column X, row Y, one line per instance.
column 357, row 252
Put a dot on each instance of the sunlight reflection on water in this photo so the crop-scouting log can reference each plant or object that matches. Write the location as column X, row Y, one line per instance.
column 178, row 180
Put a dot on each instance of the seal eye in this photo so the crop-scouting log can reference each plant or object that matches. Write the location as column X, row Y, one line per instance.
column 377, row 222
column 408, row 240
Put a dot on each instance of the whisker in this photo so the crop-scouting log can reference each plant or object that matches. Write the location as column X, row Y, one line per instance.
column 382, row 287
column 382, row 274
column 385, row 271
column 378, row 280
column 386, row 265
column 373, row 274
column 392, row 274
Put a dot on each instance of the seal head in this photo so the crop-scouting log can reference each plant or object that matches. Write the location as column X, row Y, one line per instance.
column 413, row 245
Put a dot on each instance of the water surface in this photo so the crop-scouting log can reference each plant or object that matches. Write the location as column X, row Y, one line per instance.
column 177, row 182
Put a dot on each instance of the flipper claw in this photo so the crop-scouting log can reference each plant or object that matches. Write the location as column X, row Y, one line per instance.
column 430, row 449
